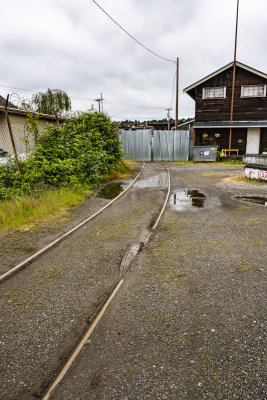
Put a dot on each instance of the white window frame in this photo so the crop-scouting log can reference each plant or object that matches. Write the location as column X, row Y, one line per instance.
column 215, row 87
column 248, row 97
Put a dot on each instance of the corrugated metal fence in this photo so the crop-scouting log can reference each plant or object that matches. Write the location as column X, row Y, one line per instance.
column 144, row 144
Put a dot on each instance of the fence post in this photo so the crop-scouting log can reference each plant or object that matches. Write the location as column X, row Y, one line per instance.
column 11, row 134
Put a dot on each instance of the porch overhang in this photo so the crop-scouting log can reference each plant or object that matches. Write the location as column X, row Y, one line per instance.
column 226, row 124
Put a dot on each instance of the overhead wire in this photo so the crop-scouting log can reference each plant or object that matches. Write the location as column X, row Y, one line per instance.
column 131, row 36
column 137, row 41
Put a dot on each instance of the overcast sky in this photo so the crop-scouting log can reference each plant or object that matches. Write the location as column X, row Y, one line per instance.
column 72, row 45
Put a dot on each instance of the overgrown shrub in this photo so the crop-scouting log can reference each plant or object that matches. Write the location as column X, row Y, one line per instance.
column 82, row 151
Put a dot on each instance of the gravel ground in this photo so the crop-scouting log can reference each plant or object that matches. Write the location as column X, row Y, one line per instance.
column 188, row 322
column 46, row 308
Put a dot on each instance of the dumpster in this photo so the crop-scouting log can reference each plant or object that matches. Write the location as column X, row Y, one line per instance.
column 205, row 153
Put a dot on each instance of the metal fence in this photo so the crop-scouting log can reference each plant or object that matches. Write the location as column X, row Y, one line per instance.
column 146, row 144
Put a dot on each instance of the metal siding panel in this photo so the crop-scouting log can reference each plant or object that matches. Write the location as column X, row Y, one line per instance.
column 170, row 139
column 157, row 146
column 146, row 145
column 164, row 145
column 184, row 146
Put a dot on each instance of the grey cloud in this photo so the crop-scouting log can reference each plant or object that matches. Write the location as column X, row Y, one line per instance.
column 73, row 46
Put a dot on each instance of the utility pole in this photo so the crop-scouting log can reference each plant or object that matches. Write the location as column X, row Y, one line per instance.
column 168, row 116
column 100, row 103
column 233, row 85
column 177, row 89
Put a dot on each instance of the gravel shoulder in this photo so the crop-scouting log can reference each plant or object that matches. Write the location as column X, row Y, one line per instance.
column 46, row 308
column 189, row 322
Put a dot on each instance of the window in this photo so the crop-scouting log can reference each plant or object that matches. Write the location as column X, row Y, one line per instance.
column 253, row 91
column 214, row 93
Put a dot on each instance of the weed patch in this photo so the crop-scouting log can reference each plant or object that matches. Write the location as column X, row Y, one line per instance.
column 24, row 212
column 212, row 174
column 241, row 208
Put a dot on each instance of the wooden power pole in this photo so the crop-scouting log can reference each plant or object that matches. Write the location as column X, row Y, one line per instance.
column 233, row 85
column 177, row 89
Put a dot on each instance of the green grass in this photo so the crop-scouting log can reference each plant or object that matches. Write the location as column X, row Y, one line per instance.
column 125, row 171
column 225, row 163
column 25, row 212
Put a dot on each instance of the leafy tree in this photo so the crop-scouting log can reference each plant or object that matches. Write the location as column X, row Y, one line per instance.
column 52, row 102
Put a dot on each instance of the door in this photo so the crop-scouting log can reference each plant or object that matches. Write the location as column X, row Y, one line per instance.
column 253, row 141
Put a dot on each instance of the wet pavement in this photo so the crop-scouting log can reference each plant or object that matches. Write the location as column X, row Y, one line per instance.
column 113, row 189
column 155, row 181
column 184, row 198
column 189, row 322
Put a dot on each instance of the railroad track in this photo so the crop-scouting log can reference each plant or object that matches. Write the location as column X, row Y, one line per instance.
column 126, row 264
column 134, row 249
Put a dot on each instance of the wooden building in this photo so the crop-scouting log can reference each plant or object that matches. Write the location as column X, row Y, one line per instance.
column 212, row 96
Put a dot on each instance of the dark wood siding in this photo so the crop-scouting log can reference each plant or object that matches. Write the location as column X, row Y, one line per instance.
column 245, row 109
column 239, row 138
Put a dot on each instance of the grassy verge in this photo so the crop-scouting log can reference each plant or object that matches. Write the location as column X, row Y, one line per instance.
column 24, row 212
column 227, row 163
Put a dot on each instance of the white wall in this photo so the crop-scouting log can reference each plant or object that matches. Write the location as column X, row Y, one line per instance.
column 253, row 141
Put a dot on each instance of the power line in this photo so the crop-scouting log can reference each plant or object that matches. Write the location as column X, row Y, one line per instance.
column 131, row 36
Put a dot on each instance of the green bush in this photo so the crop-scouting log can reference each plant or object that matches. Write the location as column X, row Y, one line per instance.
column 82, row 151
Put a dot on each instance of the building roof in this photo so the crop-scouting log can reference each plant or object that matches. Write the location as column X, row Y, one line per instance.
column 235, row 124
column 3, row 102
column 190, row 122
column 24, row 113
column 238, row 64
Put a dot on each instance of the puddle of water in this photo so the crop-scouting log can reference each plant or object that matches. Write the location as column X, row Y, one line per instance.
column 254, row 199
column 113, row 189
column 186, row 198
column 154, row 181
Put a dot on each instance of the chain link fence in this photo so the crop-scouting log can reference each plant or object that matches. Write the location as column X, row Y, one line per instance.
column 16, row 136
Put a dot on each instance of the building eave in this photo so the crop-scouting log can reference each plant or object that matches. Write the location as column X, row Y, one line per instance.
column 235, row 124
